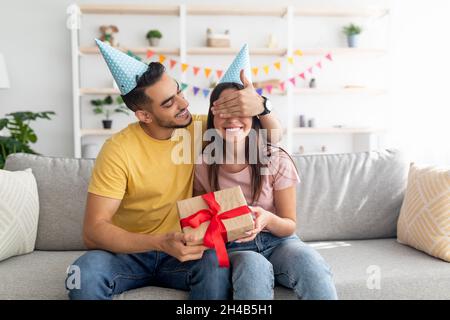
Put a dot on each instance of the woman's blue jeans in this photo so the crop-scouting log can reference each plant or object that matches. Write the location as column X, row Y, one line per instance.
column 289, row 262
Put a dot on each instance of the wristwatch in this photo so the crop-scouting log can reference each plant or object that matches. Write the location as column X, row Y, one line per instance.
column 267, row 106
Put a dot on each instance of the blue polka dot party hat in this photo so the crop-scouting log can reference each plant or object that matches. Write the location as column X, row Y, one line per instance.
column 125, row 69
column 241, row 61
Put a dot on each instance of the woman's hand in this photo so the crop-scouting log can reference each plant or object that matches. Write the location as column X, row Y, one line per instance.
column 262, row 219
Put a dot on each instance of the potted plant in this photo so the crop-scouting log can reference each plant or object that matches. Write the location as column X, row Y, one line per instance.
column 107, row 106
column 352, row 31
column 153, row 37
column 20, row 134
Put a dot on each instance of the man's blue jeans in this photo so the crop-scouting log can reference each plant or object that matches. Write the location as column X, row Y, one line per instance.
column 289, row 262
column 104, row 274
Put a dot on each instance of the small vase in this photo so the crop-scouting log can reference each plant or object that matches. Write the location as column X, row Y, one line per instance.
column 107, row 124
column 154, row 42
column 352, row 41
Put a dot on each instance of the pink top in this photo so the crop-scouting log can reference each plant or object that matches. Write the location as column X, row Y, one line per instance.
column 279, row 174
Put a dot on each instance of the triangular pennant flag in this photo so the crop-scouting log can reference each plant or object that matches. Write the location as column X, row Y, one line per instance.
column 259, row 91
column 240, row 62
column 310, row 69
column 269, row 88
column 290, row 60
column 298, row 52
column 150, row 53
column 183, row 86
column 162, row 58
column 125, row 69
column 266, row 69
column 282, row 86
column 184, row 67
column 131, row 54
column 207, row 72
column 195, row 70
column 292, row 80
column 302, row 75
column 219, row 73
column 172, row 63
column 196, row 89
column 277, row 65
column 328, row 56
column 205, row 92
column 319, row 64
column 255, row 71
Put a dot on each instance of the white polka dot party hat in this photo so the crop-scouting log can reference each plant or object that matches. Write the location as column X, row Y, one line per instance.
column 241, row 61
column 125, row 69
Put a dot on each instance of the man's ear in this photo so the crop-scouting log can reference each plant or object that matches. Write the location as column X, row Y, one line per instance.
column 144, row 116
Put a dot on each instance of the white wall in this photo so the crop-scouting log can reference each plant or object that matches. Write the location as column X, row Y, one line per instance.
column 35, row 43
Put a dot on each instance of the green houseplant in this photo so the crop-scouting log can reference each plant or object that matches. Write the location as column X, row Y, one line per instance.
column 352, row 32
column 107, row 106
column 19, row 133
column 153, row 37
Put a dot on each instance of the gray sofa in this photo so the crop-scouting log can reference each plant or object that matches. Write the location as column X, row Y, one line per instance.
column 348, row 206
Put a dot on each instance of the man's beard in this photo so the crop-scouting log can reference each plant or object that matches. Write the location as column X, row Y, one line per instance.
column 172, row 125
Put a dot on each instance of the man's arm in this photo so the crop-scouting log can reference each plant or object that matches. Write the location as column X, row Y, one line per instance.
column 100, row 233
column 247, row 103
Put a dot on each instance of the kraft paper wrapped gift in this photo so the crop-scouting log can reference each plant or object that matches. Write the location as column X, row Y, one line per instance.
column 227, row 199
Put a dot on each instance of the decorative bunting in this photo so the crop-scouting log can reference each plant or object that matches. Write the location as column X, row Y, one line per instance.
column 207, row 72
column 184, row 67
column 150, row 53
column 292, row 80
column 266, row 69
column 162, row 58
column 172, row 63
column 196, row 70
column 196, row 89
column 183, row 86
column 269, row 89
column 219, row 73
column 255, row 71
column 298, row 52
column 282, row 86
column 277, row 65
column 291, row 60
column 328, row 56
column 319, row 64
column 259, row 91
column 302, row 75
column 310, row 69
column 205, row 92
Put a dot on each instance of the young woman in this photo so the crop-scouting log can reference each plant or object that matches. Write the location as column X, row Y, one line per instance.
column 268, row 180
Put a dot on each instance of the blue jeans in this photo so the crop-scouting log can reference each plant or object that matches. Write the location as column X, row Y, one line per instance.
column 104, row 274
column 288, row 261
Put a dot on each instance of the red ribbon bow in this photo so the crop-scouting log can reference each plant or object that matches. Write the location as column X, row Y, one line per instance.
column 216, row 234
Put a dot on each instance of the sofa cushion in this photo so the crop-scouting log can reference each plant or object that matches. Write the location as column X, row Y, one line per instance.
column 19, row 212
column 403, row 273
column 424, row 221
column 62, row 187
column 351, row 195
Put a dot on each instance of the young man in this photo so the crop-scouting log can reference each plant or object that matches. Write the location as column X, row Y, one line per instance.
column 131, row 221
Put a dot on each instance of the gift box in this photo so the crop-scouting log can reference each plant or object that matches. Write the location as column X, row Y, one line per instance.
column 216, row 218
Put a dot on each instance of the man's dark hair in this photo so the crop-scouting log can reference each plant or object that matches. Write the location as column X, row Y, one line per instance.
column 137, row 97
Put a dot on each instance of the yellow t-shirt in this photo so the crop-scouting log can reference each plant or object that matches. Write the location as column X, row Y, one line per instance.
column 141, row 171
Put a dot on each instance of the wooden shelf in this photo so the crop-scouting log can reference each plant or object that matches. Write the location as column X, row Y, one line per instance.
column 227, row 51
column 346, row 51
column 346, row 130
column 214, row 10
column 97, row 132
column 332, row 91
column 135, row 50
column 99, row 91
column 130, row 9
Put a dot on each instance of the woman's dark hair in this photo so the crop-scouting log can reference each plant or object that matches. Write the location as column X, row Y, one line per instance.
column 255, row 168
column 137, row 97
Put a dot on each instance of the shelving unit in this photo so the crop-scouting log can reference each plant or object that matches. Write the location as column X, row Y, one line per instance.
column 287, row 13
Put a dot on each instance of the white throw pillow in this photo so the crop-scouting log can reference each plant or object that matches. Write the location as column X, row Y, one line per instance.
column 19, row 212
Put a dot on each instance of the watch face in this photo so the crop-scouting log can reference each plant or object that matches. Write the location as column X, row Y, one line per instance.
column 268, row 105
